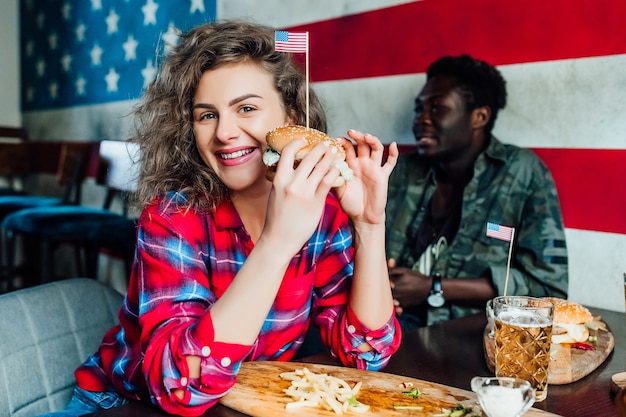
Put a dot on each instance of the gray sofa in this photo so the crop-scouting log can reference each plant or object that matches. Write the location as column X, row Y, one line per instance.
column 45, row 333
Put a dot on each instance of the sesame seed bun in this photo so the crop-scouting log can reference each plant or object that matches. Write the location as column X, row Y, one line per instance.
column 279, row 137
column 568, row 312
column 569, row 321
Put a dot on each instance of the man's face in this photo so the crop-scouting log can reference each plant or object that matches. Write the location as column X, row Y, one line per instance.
column 442, row 124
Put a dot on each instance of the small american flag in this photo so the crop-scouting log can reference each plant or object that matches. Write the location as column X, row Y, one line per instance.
column 500, row 232
column 291, row 41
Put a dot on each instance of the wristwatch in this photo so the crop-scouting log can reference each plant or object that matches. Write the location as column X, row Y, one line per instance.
column 436, row 298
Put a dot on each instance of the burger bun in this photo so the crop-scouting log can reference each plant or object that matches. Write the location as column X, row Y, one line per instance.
column 569, row 321
column 279, row 137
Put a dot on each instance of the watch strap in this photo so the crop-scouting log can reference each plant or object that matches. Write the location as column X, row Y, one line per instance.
column 436, row 285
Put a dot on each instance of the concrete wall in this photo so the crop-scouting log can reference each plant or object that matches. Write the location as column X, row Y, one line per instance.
column 10, row 114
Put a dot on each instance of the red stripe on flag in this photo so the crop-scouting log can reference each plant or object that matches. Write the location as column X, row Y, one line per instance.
column 404, row 39
column 591, row 184
column 592, row 187
column 291, row 41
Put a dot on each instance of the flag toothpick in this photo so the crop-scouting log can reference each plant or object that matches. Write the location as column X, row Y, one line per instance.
column 295, row 42
column 507, row 234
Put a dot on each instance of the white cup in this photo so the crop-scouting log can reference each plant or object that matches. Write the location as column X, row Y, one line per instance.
column 503, row 397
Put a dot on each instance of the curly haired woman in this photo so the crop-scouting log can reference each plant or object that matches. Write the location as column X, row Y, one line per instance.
column 230, row 267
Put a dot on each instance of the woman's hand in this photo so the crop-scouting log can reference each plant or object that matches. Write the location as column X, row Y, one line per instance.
column 298, row 196
column 364, row 197
column 294, row 207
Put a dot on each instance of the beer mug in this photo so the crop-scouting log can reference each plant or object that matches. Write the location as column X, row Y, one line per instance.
column 489, row 313
column 523, row 332
column 503, row 397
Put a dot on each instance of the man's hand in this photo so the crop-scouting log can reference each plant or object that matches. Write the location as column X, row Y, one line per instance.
column 408, row 287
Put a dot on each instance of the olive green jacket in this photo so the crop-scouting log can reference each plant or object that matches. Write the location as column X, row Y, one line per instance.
column 512, row 187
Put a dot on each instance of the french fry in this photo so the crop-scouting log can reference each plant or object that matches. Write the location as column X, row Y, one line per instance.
column 309, row 389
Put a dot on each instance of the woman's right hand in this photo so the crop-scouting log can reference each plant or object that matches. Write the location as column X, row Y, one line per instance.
column 298, row 196
column 294, row 209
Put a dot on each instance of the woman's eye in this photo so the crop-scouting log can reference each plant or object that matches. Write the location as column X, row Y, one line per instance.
column 246, row 109
column 205, row 116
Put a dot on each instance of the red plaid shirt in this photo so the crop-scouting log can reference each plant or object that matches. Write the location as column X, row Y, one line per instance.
column 184, row 263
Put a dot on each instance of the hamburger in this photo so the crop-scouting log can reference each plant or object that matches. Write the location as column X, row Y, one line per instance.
column 279, row 137
column 569, row 321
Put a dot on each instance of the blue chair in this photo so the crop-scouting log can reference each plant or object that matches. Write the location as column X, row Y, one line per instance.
column 10, row 191
column 71, row 171
column 52, row 226
column 117, row 236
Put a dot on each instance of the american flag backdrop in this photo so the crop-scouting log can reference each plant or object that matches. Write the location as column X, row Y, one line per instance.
column 77, row 53
column 563, row 61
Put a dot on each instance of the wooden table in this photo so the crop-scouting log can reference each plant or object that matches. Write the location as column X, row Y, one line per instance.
column 452, row 353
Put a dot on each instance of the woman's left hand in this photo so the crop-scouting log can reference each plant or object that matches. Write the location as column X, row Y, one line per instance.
column 364, row 197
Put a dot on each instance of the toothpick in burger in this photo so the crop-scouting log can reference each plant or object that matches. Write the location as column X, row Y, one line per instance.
column 279, row 137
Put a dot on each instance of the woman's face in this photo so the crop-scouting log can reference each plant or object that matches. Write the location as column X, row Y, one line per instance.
column 233, row 108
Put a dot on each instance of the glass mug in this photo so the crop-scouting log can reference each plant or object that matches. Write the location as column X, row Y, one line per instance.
column 489, row 314
column 523, row 332
column 503, row 397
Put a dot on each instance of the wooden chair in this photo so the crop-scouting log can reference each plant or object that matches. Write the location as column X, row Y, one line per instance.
column 71, row 172
column 13, row 133
column 15, row 159
column 75, row 224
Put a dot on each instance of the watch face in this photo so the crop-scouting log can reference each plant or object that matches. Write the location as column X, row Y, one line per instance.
column 436, row 300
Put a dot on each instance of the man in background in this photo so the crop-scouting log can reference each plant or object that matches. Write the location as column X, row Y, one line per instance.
column 442, row 196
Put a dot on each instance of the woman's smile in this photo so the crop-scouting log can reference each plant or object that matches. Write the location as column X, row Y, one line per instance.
column 237, row 156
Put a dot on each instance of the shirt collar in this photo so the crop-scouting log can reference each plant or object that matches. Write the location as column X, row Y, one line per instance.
column 496, row 149
column 226, row 217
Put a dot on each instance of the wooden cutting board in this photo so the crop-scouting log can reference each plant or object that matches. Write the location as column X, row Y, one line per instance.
column 258, row 392
column 567, row 364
